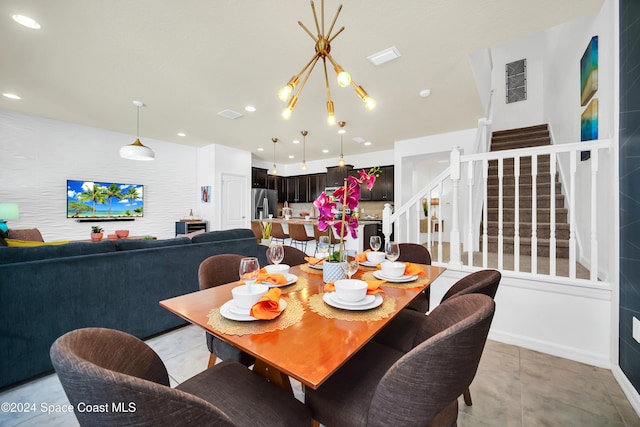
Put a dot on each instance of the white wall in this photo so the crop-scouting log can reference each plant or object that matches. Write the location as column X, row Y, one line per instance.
column 38, row 155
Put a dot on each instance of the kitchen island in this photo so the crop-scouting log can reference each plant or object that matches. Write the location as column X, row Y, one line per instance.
column 366, row 228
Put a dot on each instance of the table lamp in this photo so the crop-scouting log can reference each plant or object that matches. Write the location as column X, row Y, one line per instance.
column 8, row 211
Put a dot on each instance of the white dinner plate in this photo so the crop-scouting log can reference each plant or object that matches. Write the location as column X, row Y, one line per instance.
column 328, row 298
column 231, row 312
column 291, row 278
column 400, row 279
column 316, row 266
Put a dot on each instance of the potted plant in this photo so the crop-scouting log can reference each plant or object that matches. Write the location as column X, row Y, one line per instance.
column 266, row 232
column 96, row 233
column 342, row 219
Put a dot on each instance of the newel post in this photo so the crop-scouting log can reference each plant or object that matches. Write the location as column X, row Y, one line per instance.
column 454, row 236
column 387, row 226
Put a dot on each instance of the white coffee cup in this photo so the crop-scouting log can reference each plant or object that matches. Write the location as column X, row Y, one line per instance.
column 277, row 269
column 245, row 296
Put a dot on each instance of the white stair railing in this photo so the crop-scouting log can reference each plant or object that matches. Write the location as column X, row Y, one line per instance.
column 407, row 217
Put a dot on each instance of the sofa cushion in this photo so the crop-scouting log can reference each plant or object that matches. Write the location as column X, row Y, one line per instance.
column 132, row 244
column 32, row 234
column 11, row 255
column 215, row 236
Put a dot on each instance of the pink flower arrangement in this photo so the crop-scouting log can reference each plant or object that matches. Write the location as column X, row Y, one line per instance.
column 349, row 196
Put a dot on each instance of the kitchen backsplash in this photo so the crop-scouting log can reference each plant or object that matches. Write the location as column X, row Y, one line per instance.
column 366, row 209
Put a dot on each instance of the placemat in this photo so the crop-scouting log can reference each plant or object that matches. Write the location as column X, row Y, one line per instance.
column 317, row 305
column 419, row 282
column 307, row 269
column 291, row 315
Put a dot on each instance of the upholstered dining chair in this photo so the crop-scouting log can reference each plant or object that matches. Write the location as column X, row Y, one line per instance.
column 257, row 230
column 122, row 374
column 215, row 271
column 299, row 236
column 382, row 386
column 293, row 256
column 400, row 331
column 413, row 252
column 277, row 232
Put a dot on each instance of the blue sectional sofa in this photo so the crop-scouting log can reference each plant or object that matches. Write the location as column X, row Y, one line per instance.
column 47, row 291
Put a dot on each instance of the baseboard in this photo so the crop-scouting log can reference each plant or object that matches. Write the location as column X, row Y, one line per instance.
column 629, row 390
column 551, row 348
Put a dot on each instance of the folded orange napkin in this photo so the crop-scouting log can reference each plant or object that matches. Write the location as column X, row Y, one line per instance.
column 275, row 279
column 411, row 269
column 312, row 260
column 373, row 287
column 363, row 256
column 268, row 307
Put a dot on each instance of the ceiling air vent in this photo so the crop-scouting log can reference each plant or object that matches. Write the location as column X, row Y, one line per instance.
column 384, row 56
column 229, row 114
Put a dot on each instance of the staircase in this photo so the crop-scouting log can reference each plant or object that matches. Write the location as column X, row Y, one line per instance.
column 532, row 136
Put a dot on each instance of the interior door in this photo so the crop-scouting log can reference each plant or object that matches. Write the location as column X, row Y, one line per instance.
column 234, row 207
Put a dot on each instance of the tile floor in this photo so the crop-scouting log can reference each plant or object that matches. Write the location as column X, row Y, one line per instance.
column 513, row 387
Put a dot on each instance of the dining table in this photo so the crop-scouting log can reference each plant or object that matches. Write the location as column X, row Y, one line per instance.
column 313, row 336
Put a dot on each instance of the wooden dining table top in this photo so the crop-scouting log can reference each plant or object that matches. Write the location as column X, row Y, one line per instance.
column 311, row 349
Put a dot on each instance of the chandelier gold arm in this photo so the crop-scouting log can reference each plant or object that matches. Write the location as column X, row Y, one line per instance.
column 315, row 39
column 315, row 17
column 335, row 35
column 335, row 18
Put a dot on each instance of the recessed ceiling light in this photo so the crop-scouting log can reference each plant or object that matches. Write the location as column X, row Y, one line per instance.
column 250, row 108
column 11, row 96
column 182, row 134
column 325, row 151
column 291, row 156
column 383, row 56
column 295, row 141
column 26, row 21
column 425, row 92
column 359, row 139
column 367, row 143
column 260, row 149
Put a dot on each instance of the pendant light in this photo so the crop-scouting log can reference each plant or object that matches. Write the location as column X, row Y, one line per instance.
column 341, row 132
column 137, row 151
column 304, row 150
column 275, row 170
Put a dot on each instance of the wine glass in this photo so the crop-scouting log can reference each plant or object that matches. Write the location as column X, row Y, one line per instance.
column 349, row 263
column 275, row 253
column 375, row 242
column 323, row 246
column 392, row 250
column 249, row 269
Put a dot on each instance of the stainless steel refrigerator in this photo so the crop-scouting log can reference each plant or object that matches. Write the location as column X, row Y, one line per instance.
column 264, row 202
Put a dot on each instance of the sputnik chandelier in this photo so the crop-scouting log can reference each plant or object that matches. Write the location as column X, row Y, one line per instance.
column 323, row 48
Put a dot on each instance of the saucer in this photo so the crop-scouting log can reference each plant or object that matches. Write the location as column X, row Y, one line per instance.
column 329, row 299
column 230, row 311
column 316, row 266
column 291, row 278
column 369, row 264
column 368, row 299
column 400, row 279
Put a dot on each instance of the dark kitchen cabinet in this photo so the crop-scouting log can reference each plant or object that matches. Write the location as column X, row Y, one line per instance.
column 258, row 178
column 337, row 174
column 317, row 184
column 383, row 188
column 297, row 189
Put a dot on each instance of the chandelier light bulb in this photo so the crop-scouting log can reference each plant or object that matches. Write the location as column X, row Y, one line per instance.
column 344, row 79
column 331, row 120
column 285, row 92
column 369, row 102
column 286, row 113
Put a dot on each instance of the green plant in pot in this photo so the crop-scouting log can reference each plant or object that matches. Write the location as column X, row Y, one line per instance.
column 96, row 233
column 342, row 219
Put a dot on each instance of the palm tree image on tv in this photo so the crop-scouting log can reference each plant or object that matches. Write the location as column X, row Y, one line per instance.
column 92, row 199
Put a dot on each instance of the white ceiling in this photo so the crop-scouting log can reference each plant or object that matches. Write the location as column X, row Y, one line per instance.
column 187, row 60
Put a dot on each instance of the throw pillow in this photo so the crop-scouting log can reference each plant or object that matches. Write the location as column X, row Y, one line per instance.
column 31, row 234
column 190, row 235
column 23, row 243
column 2, row 237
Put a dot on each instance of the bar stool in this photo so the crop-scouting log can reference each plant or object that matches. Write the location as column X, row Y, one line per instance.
column 299, row 235
column 278, row 233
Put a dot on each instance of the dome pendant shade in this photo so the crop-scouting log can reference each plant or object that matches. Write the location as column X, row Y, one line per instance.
column 137, row 151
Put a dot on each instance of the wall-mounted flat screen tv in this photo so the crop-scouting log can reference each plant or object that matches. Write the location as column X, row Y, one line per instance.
column 104, row 200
